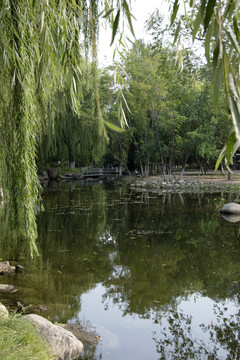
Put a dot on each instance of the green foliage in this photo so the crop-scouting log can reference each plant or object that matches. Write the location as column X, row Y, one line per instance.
column 40, row 43
column 216, row 23
column 171, row 113
column 73, row 137
column 40, row 49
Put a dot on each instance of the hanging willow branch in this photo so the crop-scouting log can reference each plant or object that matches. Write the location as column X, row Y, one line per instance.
column 39, row 46
column 102, row 130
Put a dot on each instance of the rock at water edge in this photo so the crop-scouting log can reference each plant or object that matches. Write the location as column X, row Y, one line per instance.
column 5, row 288
column 62, row 343
column 230, row 208
column 3, row 311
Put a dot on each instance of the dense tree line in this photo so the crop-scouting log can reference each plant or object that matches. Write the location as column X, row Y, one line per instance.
column 171, row 117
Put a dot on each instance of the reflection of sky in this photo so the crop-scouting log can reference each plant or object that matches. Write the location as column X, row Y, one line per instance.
column 125, row 337
column 142, row 10
column 201, row 310
column 131, row 338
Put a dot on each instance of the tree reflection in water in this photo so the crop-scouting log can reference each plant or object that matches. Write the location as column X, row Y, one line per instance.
column 148, row 252
column 177, row 341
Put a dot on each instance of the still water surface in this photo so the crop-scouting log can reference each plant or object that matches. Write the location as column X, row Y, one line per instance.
column 156, row 275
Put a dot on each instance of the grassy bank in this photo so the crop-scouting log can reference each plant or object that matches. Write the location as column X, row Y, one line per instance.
column 20, row 341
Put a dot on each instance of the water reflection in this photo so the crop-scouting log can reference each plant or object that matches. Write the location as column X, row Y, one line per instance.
column 200, row 329
column 127, row 261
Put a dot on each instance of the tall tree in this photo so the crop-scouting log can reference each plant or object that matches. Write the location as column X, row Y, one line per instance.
column 39, row 45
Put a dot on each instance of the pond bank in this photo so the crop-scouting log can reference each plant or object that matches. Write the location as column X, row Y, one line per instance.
column 211, row 177
column 190, row 182
column 38, row 338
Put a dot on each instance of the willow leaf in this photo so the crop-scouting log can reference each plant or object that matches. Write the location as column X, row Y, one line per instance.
column 235, row 116
column 122, row 56
column 234, row 103
column 209, row 13
column 125, row 101
column 174, row 12
column 220, row 158
column 218, row 74
column 216, row 53
column 236, row 146
column 74, row 84
column 115, row 26
column 113, row 127
column 177, row 31
column 208, row 41
column 197, row 23
column 129, row 16
column 227, row 8
column 233, row 88
column 234, row 40
column 108, row 13
column 229, row 147
column 124, row 118
column 42, row 21
column 236, row 29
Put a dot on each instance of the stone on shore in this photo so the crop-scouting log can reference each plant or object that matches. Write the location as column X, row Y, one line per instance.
column 232, row 218
column 3, row 311
column 5, row 288
column 62, row 343
column 6, row 268
column 230, row 208
column 82, row 333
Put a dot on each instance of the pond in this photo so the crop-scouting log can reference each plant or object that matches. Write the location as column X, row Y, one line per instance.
column 157, row 276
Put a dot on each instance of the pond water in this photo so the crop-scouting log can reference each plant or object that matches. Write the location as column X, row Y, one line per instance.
column 156, row 275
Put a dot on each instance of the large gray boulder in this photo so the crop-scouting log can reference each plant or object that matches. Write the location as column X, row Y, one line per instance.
column 62, row 343
column 3, row 311
column 230, row 208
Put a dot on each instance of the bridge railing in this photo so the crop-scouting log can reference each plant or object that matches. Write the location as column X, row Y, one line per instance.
column 91, row 172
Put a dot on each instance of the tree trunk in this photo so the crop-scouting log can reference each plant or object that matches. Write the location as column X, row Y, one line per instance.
column 72, row 165
column 71, row 159
column 222, row 168
column 184, row 163
column 159, row 143
column 120, row 170
column 229, row 175
column 146, row 171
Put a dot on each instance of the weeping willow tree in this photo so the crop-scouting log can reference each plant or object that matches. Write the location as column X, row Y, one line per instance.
column 74, row 136
column 40, row 44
